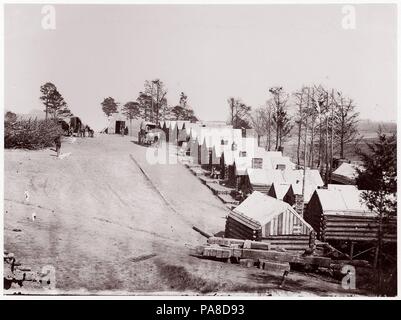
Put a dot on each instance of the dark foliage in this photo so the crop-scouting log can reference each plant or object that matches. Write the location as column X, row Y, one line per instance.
column 31, row 134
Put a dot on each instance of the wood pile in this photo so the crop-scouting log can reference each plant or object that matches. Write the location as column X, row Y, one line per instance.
column 255, row 253
column 356, row 228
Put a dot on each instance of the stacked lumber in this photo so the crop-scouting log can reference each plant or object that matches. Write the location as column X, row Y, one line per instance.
column 241, row 227
column 356, row 228
column 247, row 244
column 256, row 251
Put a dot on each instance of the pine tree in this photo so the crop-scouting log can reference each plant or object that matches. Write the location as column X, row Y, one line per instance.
column 379, row 179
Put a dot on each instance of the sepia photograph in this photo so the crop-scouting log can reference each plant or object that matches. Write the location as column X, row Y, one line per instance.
column 199, row 149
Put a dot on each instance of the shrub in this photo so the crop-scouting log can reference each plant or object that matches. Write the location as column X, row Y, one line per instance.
column 30, row 134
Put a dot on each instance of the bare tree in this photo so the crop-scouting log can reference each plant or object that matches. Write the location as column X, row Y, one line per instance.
column 300, row 101
column 345, row 120
column 182, row 111
column 156, row 90
column 281, row 120
column 261, row 120
column 145, row 105
column 239, row 113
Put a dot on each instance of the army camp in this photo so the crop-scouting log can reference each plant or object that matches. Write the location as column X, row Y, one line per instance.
column 152, row 168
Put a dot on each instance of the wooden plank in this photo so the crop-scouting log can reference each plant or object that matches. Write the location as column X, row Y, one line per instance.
column 274, row 266
column 285, row 257
column 203, row 233
column 348, row 238
column 228, row 242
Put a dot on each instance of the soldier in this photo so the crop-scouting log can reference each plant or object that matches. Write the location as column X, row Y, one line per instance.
column 57, row 141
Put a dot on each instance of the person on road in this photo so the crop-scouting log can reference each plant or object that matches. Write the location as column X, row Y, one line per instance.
column 57, row 141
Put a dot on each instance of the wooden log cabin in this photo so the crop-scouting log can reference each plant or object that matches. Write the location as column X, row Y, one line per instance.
column 263, row 218
column 339, row 214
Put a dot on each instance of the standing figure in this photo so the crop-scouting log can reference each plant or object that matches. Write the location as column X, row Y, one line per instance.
column 57, row 141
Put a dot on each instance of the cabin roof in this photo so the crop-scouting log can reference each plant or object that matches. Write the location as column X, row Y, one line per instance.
column 347, row 170
column 342, row 202
column 280, row 189
column 263, row 208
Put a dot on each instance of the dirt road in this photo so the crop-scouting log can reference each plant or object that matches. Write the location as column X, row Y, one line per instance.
column 110, row 222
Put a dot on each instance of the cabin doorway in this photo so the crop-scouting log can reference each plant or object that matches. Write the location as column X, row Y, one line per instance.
column 120, row 125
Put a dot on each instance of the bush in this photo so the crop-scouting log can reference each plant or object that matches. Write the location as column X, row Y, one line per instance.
column 30, row 134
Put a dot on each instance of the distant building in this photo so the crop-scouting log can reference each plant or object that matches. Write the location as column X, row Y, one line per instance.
column 119, row 121
column 346, row 173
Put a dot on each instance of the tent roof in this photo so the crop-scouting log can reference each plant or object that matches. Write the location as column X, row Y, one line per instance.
column 280, row 189
column 269, row 176
column 312, row 177
column 213, row 136
column 242, row 164
column 265, row 177
column 342, row 201
column 180, row 123
column 341, row 187
column 347, row 170
column 172, row 124
column 280, row 160
column 308, row 192
column 313, row 180
column 263, row 208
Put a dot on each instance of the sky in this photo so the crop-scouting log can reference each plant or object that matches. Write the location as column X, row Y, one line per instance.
column 210, row 52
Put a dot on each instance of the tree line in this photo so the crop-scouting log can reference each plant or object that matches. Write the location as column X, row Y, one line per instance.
column 151, row 105
column 324, row 122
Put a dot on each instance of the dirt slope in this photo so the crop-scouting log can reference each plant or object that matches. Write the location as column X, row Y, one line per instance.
column 107, row 227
